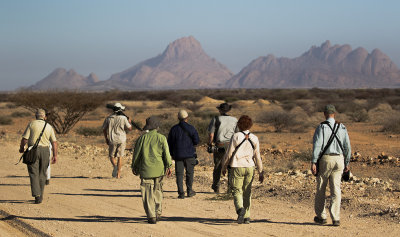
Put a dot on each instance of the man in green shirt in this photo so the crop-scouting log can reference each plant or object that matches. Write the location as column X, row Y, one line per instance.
column 151, row 160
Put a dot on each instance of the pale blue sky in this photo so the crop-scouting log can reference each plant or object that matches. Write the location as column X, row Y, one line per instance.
column 106, row 37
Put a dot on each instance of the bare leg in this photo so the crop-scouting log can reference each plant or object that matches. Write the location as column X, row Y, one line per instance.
column 119, row 167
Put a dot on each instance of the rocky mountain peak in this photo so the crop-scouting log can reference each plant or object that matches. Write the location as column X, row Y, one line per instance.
column 183, row 48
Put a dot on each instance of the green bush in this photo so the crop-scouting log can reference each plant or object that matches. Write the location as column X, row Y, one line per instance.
column 18, row 114
column 90, row 131
column 5, row 120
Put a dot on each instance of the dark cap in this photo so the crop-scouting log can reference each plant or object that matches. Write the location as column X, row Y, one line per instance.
column 330, row 109
column 151, row 123
column 224, row 107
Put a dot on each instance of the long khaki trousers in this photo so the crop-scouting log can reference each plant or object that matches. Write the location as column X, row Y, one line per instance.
column 152, row 196
column 330, row 170
column 240, row 181
column 37, row 170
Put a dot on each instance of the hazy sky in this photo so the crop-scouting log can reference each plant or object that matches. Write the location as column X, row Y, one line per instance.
column 106, row 37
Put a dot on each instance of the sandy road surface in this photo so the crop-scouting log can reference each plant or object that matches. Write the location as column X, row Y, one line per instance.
column 79, row 203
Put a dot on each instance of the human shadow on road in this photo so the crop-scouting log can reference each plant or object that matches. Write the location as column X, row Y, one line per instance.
column 16, row 201
column 287, row 222
column 16, row 176
column 69, row 177
column 113, row 190
column 84, row 219
column 14, row 184
column 96, row 195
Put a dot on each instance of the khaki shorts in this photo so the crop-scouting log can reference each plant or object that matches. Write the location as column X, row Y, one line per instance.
column 116, row 150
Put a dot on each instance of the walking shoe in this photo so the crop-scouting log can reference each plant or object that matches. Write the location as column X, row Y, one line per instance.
column 247, row 220
column 152, row 220
column 191, row 193
column 38, row 199
column 216, row 189
column 115, row 171
column 336, row 223
column 181, row 196
column 47, row 181
column 319, row 220
column 241, row 213
column 158, row 218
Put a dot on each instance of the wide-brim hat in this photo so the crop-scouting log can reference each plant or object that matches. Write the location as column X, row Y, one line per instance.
column 118, row 106
column 224, row 107
column 151, row 123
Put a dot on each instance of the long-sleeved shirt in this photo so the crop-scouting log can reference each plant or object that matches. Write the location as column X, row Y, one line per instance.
column 245, row 156
column 181, row 145
column 320, row 139
column 151, row 155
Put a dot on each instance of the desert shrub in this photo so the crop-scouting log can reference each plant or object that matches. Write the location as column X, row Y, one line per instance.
column 64, row 109
column 392, row 124
column 166, row 125
column 5, row 120
column 11, row 106
column 304, row 155
column 202, row 129
column 207, row 115
column 193, row 107
column 278, row 119
column 19, row 114
column 168, row 104
column 90, row 131
column 358, row 115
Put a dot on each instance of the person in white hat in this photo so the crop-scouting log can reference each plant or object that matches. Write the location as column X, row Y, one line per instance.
column 182, row 140
column 114, row 129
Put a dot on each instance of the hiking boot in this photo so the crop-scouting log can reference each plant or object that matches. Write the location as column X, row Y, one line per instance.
column 247, row 220
column 181, row 196
column 241, row 213
column 158, row 218
column 115, row 171
column 319, row 220
column 191, row 193
column 47, row 181
column 216, row 189
column 152, row 220
column 336, row 223
column 38, row 199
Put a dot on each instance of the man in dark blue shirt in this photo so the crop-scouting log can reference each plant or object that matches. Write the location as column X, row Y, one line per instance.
column 182, row 140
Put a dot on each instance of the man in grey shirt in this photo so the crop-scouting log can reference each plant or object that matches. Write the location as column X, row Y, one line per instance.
column 221, row 129
column 331, row 164
column 114, row 127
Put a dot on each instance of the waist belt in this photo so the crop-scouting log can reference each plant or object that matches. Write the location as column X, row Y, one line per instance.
column 333, row 154
column 221, row 144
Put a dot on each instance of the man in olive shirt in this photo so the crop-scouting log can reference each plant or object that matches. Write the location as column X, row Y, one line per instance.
column 37, row 170
column 151, row 160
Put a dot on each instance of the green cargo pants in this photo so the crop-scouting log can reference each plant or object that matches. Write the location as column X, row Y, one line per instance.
column 37, row 170
column 152, row 195
column 241, row 179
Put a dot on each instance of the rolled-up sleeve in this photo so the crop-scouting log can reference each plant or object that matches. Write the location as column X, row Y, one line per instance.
column 257, row 155
column 347, row 148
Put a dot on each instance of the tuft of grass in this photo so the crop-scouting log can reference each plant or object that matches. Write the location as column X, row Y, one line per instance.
column 18, row 114
column 392, row 124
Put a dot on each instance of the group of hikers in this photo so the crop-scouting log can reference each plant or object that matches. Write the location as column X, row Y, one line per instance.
column 236, row 152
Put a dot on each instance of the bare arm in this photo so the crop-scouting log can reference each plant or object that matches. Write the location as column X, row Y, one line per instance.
column 210, row 138
column 54, row 148
column 105, row 136
column 22, row 145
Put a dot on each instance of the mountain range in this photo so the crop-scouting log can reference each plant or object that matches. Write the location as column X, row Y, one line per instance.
column 185, row 65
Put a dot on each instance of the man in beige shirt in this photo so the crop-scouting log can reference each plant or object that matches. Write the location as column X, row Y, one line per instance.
column 114, row 129
column 37, row 170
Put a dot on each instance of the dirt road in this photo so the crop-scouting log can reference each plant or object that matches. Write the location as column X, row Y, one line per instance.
column 82, row 200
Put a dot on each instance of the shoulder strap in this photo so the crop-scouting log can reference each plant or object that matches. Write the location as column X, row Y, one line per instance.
column 185, row 131
column 337, row 139
column 330, row 140
column 217, row 124
column 40, row 136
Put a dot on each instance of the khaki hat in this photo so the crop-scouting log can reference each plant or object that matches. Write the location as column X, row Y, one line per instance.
column 330, row 109
column 118, row 105
column 182, row 114
column 40, row 113
column 151, row 123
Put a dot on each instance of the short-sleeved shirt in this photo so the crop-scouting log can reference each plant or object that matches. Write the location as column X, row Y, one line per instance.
column 115, row 126
column 33, row 130
column 226, row 129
